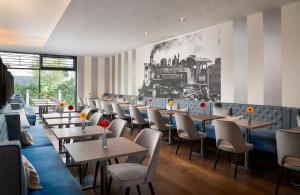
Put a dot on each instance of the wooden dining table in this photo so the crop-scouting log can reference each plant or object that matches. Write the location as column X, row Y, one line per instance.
column 203, row 118
column 92, row 151
column 58, row 115
column 65, row 121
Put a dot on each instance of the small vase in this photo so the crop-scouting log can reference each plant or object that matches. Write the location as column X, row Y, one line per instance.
column 83, row 126
column 249, row 119
column 69, row 116
column 171, row 107
column 104, row 140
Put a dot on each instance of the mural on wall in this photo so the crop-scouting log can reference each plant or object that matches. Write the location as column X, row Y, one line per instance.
column 186, row 67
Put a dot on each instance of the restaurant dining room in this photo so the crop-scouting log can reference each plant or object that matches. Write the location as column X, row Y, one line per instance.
column 145, row 97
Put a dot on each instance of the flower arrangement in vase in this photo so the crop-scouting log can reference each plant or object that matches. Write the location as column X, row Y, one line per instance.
column 104, row 123
column 171, row 103
column 70, row 108
column 249, row 110
column 61, row 108
column 202, row 106
column 83, row 116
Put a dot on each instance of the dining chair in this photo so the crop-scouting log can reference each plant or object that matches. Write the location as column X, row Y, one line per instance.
column 137, row 119
column 229, row 138
column 219, row 110
column 133, row 173
column 118, row 111
column 88, row 113
column 107, row 109
column 95, row 118
column 98, row 105
column 288, row 153
column 157, row 122
column 298, row 120
column 80, row 102
column 187, row 132
column 116, row 129
column 85, row 102
column 91, row 104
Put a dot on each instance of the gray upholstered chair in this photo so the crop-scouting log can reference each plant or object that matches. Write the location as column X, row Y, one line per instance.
column 298, row 120
column 137, row 119
column 98, row 105
column 118, row 111
column 95, row 118
column 157, row 122
column 91, row 104
column 85, row 101
column 88, row 112
column 187, row 132
column 107, row 109
column 221, row 111
column 229, row 138
column 116, row 129
column 80, row 102
column 288, row 153
column 133, row 173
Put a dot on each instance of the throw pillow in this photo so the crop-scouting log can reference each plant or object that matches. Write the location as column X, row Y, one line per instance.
column 33, row 179
column 26, row 138
column 23, row 119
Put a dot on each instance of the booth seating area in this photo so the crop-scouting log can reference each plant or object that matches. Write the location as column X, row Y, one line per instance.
column 55, row 177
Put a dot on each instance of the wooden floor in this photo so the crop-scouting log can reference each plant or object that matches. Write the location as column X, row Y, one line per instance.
column 176, row 175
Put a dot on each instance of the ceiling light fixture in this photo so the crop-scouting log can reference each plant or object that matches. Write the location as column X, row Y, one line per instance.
column 182, row 19
column 146, row 33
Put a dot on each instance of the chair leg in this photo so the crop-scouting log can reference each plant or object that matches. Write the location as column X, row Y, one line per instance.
column 127, row 191
column 191, row 151
column 109, row 161
column 236, row 165
column 138, row 189
column 217, row 159
column 96, row 173
column 151, row 188
column 109, row 185
column 279, row 180
column 116, row 160
column 178, row 146
column 85, row 168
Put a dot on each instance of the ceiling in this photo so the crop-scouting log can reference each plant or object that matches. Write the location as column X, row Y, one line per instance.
column 107, row 27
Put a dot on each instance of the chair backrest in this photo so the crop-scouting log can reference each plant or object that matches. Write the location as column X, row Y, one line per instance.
column 298, row 120
column 118, row 110
column 85, row 102
column 228, row 132
column 156, row 118
column 80, row 101
column 98, row 105
column 184, row 123
column 117, row 128
column 149, row 139
column 106, row 107
column 288, row 145
column 221, row 111
column 136, row 115
column 91, row 104
column 95, row 118
column 87, row 111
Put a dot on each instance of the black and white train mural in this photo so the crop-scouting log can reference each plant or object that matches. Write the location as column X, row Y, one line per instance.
column 187, row 67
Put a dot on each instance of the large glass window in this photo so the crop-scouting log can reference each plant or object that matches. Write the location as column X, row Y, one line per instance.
column 53, row 75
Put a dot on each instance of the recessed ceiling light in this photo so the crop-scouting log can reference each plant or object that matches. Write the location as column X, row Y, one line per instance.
column 182, row 19
column 146, row 33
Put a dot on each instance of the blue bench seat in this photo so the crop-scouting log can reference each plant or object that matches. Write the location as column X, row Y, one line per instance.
column 39, row 137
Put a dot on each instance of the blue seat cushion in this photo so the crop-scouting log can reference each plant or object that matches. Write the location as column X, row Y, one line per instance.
column 39, row 136
column 31, row 117
column 54, row 176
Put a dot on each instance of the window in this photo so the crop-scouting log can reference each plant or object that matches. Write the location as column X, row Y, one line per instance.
column 20, row 60
column 58, row 62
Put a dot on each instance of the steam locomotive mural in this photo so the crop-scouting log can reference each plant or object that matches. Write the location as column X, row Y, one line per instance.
column 191, row 77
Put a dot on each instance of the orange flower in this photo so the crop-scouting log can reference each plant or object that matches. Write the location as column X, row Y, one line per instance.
column 171, row 102
column 249, row 109
column 83, row 115
column 62, row 104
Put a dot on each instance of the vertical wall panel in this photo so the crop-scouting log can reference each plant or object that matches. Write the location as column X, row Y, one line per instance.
column 240, row 49
column 130, row 73
column 87, row 75
column 227, row 68
column 111, row 74
column 272, row 57
column 135, row 90
column 291, row 54
column 119, row 74
column 80, row 76
column 255, row 59
column 126, row 73
column 116, row 76
column 101, row 76
column 107, row 79
column 122, row 73
column 94, row 77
